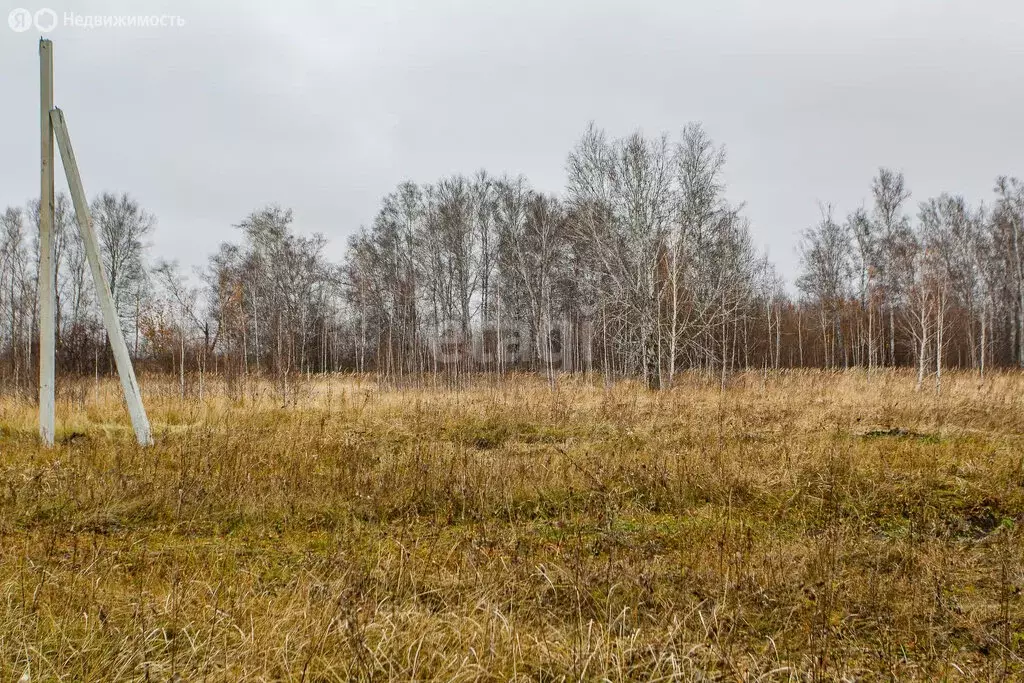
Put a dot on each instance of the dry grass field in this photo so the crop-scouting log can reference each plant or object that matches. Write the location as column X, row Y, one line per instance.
column 799, row 526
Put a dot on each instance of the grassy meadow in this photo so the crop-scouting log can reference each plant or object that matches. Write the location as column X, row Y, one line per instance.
column 794, row 526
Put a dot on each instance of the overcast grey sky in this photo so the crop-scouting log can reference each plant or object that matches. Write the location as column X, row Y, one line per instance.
column 324, row 107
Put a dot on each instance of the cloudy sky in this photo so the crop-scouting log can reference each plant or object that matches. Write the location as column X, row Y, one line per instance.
column 325, row 106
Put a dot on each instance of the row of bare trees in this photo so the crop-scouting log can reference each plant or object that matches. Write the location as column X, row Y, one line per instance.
column 641, row 268
column 123, row 227
column 934, row 285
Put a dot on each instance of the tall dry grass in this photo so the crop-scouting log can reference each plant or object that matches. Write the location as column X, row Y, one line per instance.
column 793, row 526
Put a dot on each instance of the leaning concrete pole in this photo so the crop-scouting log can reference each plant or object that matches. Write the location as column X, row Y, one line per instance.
column 47, row 277
column 132, row 395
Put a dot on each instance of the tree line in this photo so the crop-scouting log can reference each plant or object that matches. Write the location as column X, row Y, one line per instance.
column 640, row 268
